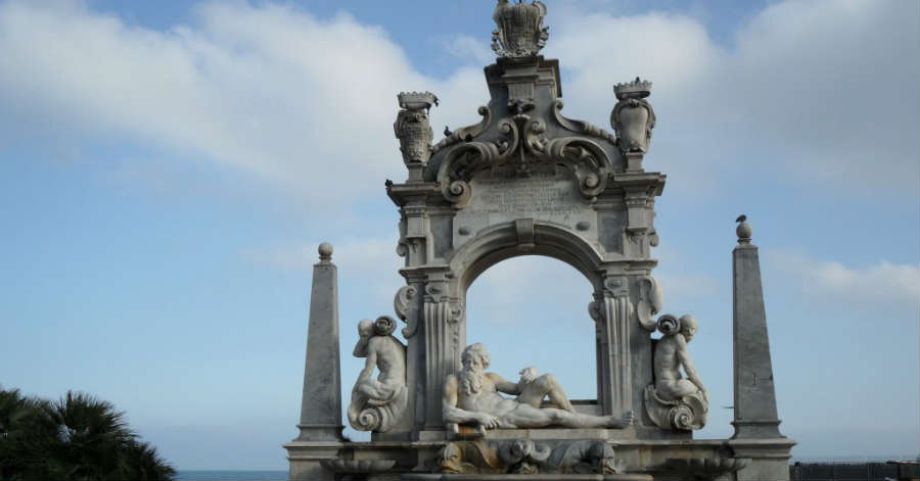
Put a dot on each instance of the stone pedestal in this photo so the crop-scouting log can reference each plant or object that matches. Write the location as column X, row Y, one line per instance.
column 306, row 459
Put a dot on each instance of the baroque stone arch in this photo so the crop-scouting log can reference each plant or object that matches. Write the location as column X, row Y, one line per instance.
column 525, row 237
column 524, row 180
column 528, row 307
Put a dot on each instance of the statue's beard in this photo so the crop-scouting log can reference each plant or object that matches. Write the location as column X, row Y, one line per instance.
column 471, row 381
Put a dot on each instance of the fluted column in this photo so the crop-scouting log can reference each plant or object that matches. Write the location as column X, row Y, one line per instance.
column 442, row 354
column 611, row 312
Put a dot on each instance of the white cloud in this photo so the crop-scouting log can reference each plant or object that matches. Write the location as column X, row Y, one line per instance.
column 268, row 90
column 882, row 282
column 826, row 91
column 466, row 47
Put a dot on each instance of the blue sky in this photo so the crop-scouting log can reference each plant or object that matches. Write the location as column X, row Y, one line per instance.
column 167, row 170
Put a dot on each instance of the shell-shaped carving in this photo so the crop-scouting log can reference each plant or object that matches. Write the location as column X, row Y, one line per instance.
column 368, row 420
column 668, row 324
column 681, row 417
column 384, row 326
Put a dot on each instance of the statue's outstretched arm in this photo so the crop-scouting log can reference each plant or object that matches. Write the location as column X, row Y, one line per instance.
column 503, row 385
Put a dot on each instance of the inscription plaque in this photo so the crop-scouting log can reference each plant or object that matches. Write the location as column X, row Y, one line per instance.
column 548, row 197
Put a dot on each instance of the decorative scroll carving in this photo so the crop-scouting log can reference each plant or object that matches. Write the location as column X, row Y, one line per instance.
column 633, row 117
column 520, row 31
column 465, row 134
column 524, row 456
column 401, row 305
column 674, row 402
column 524, row 141
column 379, row 404
column 580, row 126
column 651, row 298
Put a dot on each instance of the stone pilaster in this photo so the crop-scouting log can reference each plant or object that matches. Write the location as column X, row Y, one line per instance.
column 443, row 341
column 611, row 312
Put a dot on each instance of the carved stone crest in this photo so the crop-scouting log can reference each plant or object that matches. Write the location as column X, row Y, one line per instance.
column 520, row 31
column 633, row 117
column 413, row 128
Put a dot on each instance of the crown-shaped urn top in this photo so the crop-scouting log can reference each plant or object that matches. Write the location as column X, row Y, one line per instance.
column 519, row 29
column 637, row 89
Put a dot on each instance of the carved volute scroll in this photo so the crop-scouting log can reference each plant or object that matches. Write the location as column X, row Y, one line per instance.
column 402, row 305
column 650, row 301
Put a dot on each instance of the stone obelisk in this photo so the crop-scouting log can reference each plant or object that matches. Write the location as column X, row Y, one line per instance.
column 321, row 407
column 755, row 397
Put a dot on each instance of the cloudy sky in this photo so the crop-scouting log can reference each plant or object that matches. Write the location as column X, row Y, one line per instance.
column 168, row 168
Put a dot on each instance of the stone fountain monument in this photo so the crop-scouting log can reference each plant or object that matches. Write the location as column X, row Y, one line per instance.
column 526, row 180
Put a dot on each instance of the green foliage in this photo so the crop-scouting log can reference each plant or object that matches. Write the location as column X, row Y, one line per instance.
column 77, row 438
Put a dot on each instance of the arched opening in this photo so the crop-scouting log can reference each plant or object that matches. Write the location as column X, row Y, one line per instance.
column 532, row 311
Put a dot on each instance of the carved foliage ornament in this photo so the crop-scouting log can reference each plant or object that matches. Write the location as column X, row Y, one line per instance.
column 520, row 31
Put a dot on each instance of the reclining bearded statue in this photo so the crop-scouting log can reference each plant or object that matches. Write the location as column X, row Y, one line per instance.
column 471, row 396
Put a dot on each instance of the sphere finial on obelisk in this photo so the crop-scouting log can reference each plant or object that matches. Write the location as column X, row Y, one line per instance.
column 744, row 230
column 325, row 252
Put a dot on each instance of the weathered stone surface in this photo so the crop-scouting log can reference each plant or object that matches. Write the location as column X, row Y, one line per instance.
column 755, row 396
column 526, row 180
column 379, row 404
column 471, row 396
column 674, row 402
column 321, row 406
